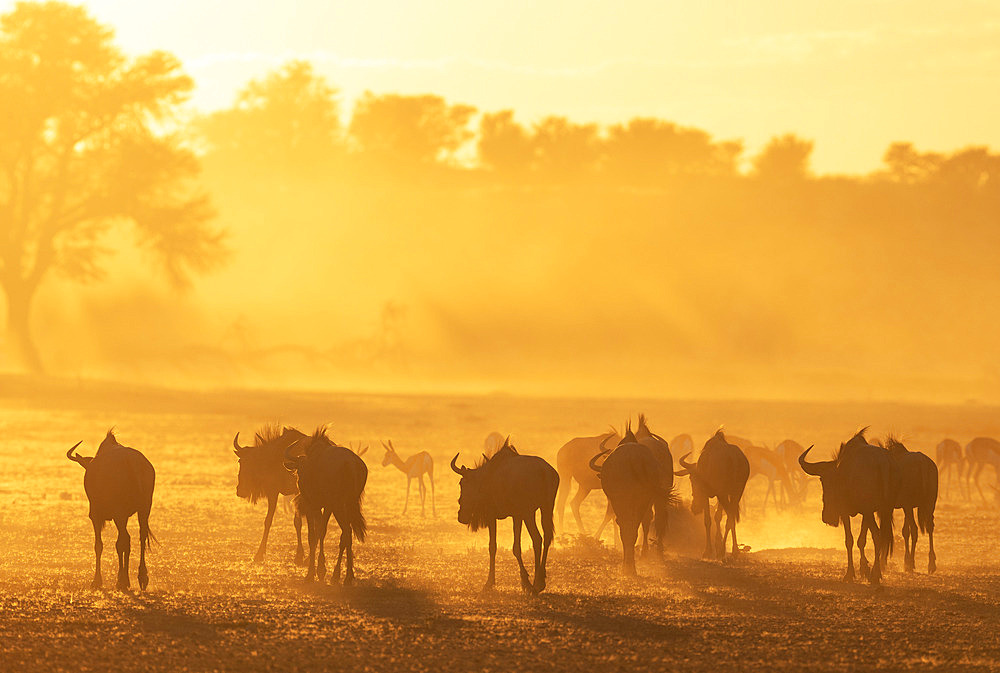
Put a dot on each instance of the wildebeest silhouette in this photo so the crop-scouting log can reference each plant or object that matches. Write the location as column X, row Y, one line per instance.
column 508, row 484
column 119, row 482
column 414, row 467
column 979, row 453
column 861, row 479
column 950, row 458
column 721, row 472
column 572, row 462
column 918, row 489
column 661, row 451
column 633, row 479
column 262, row 474
column 331, row 480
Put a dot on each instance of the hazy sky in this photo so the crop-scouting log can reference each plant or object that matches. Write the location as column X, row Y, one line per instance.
column 852, row 75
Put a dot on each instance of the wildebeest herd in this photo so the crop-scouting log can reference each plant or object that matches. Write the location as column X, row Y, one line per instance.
column 635, row 469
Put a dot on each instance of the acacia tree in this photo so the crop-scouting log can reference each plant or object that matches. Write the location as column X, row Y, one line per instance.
column 83, row 146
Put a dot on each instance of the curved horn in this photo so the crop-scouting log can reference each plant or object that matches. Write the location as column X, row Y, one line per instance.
column 601, row 449
column 690, row 469
column 71, row 456
column 290, row 458
column 815, row 469
column 236, row 443
column 593, row 461
column 458, row 470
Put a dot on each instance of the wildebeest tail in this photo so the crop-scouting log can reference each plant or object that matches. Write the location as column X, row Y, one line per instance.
column 358, row 524
column 929, row 494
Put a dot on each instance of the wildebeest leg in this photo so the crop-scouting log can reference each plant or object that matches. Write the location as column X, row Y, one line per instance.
column 536, row 543
column 720, row 544
column 345, row 537
column 548, row 532
column 875, row 576
column 731, row 525
column 629, row 530
column 909, row 540
column 349, row 575
column 647, row 519
column 98, row 548
column 406, row 503
column 609, row 515
column 300, row 554
column 863, row 568
column 272, row 505
column 849, row 543
column 931, row 556
column 525, row 579
column 143, row 543
column 708, row 533
column 575, row 503
column 324, row 517
column 312, row 527
column 492, row 579
column 123, row 546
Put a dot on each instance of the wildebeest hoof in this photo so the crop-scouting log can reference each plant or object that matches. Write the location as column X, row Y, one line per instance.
column 300, row 559
column 143, row 579
column 849, row 577
column 310, row 578
column 488, row 590
column 931, row 567
column 539, row 586
column 258, row 558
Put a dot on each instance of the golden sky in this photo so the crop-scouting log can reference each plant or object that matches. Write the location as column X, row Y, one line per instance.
column 852, row 75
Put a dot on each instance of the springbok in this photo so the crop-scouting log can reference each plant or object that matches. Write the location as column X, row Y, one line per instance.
column 119, row 482
column 979, row 453
column 508, row 484
column 721, row 472
column 492, row 443
column 414, row 467
column 949, row 459
column 262, row 474
column 572, row 463
column 331, row 481
column 861, row 479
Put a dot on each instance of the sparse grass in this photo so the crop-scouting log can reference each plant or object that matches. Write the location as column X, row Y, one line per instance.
column 417, row 606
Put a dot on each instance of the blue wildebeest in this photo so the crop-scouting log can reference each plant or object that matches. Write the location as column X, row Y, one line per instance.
column 661, row 452
column 918, row 489
column 262, row 474
column 721, row 472
column 508, row 484
column 331, row 481
column 638, row 491
column 119, row 482
column 861, row 479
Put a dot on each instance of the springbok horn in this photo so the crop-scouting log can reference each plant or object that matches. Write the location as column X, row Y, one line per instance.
column 815, row 469
column 69, row 454
column 391, row 446
column 385, row 446
column 458, row 470
column 363, row 450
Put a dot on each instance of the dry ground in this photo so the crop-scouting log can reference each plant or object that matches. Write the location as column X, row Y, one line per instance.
column 416, row 605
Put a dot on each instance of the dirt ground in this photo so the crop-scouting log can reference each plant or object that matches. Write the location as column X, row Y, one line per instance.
column 416, row 605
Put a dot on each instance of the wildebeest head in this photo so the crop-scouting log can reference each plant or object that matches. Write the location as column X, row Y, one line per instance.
column 700, row 483
column 834, row 490
column 260, row 464
column 390, row 453
column 475, row 497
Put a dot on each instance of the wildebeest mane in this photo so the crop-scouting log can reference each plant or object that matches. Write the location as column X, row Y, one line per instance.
column 501, row 454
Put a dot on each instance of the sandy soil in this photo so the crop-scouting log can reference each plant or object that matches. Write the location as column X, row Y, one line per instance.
column 416, row 606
